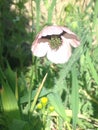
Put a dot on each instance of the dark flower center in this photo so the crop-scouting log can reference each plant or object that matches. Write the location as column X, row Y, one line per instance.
column 55, row 41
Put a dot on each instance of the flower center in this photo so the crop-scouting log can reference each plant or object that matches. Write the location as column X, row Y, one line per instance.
column 55, row 42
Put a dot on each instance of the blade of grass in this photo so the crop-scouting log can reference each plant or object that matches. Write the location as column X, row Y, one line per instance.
column 37, row 94
column 37, row 15
column 9, row 101
column 75, row 97
column 30, row 89
column 91, row 67
column 50, row 11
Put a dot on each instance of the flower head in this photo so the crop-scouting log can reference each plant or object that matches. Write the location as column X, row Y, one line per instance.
column 55, row 42
column 44, row 101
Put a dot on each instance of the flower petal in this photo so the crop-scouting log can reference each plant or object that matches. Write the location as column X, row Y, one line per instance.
column 75, row 43
column 69, row 35
column 65, row 29
column 50, row 30
column 61, row 55
column 40, row 48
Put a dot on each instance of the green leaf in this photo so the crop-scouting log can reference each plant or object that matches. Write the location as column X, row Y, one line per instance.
column 9, row 101
column 10, row 77
column 19, row 125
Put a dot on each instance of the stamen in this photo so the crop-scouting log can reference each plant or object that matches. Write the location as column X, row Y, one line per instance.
column 55, row 42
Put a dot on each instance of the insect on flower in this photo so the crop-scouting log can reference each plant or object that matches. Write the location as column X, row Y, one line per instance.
column 55, row 42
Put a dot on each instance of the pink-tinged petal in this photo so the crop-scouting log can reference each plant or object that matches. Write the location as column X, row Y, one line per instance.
column 65, row 29
column 61, row 55
column 69, row 35
column 75, row 43
column 50, row 30
column 40, row 49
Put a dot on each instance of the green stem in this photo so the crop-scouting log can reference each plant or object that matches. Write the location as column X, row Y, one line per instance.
column 37, row 14
column 30, row 91
column 50, row 11
column 38, row 92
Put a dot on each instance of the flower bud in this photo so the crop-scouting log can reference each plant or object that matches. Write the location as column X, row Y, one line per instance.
column 39, row 106
column 51, row 108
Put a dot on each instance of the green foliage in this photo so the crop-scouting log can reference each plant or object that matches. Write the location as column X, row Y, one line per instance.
column 71, row 88
column 75, row 96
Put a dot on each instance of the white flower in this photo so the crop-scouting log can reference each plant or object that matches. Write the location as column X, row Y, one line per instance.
column 55, row 42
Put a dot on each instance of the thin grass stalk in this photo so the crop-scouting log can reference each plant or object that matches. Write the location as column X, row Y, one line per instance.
column 50, row 11
column 75, row 96
column 30, row 90
column 37, row 94
column 37, row 15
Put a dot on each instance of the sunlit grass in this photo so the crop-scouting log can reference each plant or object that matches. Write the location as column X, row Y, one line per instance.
column 68, row 91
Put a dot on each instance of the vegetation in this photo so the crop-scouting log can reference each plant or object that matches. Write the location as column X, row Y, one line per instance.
column 35, row 93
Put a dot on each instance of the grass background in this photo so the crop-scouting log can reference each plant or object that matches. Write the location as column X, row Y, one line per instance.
column 71, row 88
